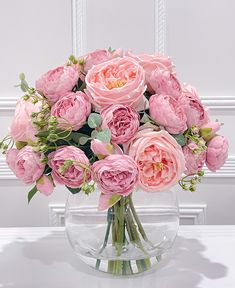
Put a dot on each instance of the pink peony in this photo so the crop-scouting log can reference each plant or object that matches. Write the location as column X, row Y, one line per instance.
column 57, row 82
column 118, row 81
column 96, row 57
column 193, row 161
column 26, row 164
column 72, row 110
column 123, row 122
column 22, row 128
column 217, row 153
column 159, row 157
column 70, row 166
column 164, row 82
column 168, row 112
column 45, row 185
column 102, row 149
column 151, row 63
column 194, row 110
column 116, row 174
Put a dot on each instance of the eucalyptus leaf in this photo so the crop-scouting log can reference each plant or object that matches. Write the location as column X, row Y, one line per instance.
column 77, row 136
column 83, row 140
column 104, row 135
column 32, row 192
column 73, row 190
column 94, row 134
column 94, row 120
column 181, row 140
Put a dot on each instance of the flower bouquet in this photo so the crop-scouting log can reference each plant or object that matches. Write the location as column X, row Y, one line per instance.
column 116, row 121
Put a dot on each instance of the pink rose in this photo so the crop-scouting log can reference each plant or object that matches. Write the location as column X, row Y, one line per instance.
column 194, row 110
column 116, row 174
column 96, row 57
column 118, row 81
column 122, row 121
column 193, row 161
column 70, row 166
column 151, row 63
column 22, row 128
column 159, row 158
column 214, row 126
column 217, row 153
column 26, row 164
column 72, row 110
column 164, row 82
column 168, row 112
column 102, row 149
column 45, row 185
column 57, row 82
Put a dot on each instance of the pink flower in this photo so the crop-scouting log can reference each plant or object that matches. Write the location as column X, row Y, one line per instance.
column 118, row 81
column 102, row 149
column 164, row 82
column 194, row 110
column 151, row 63
column 214, row 126
column 72, row 110
column 193, row 161
column 116, row 174
column 217, row 153
column 45, row 185
column 57, row 82
column 96, row 57
column 168, row 112
column 22, row 128
column 123, row 122
column 26, row 164
column 70, row 166
column 159, row 158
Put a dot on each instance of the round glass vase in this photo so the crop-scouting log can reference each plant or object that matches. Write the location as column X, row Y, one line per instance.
column 126, row 239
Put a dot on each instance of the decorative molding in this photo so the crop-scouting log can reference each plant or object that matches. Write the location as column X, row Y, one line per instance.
column 227, row 171
column 8, row 103
column 5, row 171
column 160, row 26
column 79, row 27
column 189, row 214
column 219, row 102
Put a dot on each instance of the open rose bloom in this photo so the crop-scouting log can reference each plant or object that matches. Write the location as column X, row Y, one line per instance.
column 118, row 122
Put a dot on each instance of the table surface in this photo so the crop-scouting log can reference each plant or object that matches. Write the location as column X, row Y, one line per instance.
column 202, row 256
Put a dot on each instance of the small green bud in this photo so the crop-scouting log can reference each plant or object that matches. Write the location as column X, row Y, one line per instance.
column 52, row 137
column 192, row 188
column 200, row 173
column 26, row 97
column 82, row 61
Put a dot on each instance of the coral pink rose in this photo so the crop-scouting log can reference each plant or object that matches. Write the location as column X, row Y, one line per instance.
column 116, row 174
column 164, row 82
column 22, row 127
column 159, row 157
column 26, row 164
column 194, row 161
column 168, row 112
column 118, row 81
column 122, row 121
column 151, row 63
column 57, row 82
column 96, row 57
column 72, row 110
column 70, row 166
column 102, row 149
column 194, row 110
column 217, row 153
column 45, row 185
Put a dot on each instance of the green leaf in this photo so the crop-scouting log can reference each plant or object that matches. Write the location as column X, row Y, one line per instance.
column 77, row 136
column 104, row 135
column 83, row 140
column 22, row 76
column 94, row 120
column 114, row 199
column 181, row 140
column 32, row 192
column 73, row 190
column 205, row 132
column 43, row 134
column 145, row 119
column 94, row 134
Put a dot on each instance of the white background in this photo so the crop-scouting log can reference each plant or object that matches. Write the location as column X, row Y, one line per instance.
column 199, row 36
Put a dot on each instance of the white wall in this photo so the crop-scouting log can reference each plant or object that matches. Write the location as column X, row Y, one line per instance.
column 198, row 34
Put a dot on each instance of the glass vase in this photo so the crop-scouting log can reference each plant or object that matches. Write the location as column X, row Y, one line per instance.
column 128, row 238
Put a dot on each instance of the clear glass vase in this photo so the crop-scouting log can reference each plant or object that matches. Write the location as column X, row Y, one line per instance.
column 126, row 239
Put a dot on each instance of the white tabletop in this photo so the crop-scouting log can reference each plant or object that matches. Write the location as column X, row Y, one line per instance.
column 203, row 256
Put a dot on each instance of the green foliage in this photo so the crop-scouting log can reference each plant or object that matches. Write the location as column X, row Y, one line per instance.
column 73, row 190
column 94, row 120
column 114, row 199
column 31, row 193
column 180, row 138
column 104, row 135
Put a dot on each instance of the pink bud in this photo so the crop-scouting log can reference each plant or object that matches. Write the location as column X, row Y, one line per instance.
column 45, row 185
